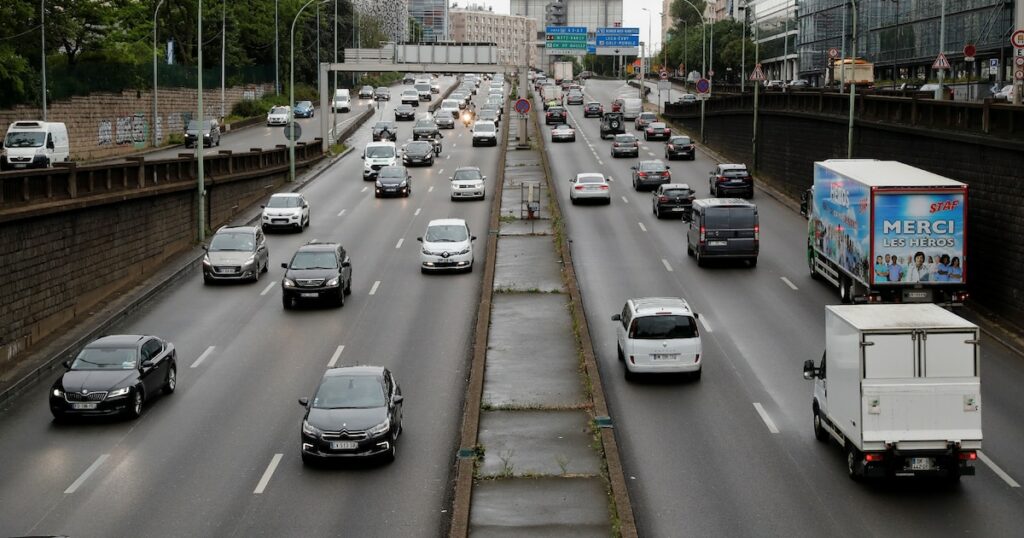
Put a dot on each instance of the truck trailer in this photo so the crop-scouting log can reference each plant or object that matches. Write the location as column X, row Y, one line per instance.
column 563, row 71
column 898, row 388
column 884, row 231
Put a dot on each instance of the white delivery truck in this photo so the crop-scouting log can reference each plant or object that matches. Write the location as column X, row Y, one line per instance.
column 898, row 388
column 34, row 144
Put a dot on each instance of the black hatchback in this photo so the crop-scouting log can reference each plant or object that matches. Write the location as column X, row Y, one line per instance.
column 555, row 114
column 680, row 147
column 317, row 271
column 395, row 180
column 673, row 200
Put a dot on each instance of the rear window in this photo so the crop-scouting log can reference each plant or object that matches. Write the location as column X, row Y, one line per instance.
column 590, row 179
column 663, row 327
column 652, row 165
column 730, row 217
column 736, row 172
column 681, row 140
column 676, row 192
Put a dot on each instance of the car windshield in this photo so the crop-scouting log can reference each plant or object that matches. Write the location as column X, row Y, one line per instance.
column 232, row 241
column 409, row 94
column 681, row 140
column 676, row 192
column 304, row 104
column 380, row 152
column 488, row 114
column 284, row 201
column 449, row 103
column 314, row 260
column 647, row 116
column 729, row 217
column 194, row 124
column 483, row 128
column 446, row 233
column 563, row 127
column 652, row 165
column 25, row 139
column 349, row 391
column 419, row 147
column 590, row 179
column 366, row 89
column 625, row 139
column 657, row 125
column 391, row 172
column 423, row 87
column 663, row 327
column 735, row 172
column 425, row 124
column 105, row 358
column 280, row 110
column 468, row 174
column 380, row 126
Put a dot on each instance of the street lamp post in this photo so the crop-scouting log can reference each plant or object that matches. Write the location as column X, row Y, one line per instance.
column 743, row 50
column 201, row 185
column 757, row 93
column 896, row 49
column 650, row 51
column 156, row 142
column 223, row 48
column 703, row 60
column 842, row 66
column 277, row 55
column 939, row 93
column 42, row 30
column 291, row 95
column 853, row 87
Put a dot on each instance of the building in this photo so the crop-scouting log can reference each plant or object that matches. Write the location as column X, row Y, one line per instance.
column 392, row 16
column 720, row 10
column 593, row 14
column 512, row 34
column 432, row 16
column 774, row 28
column 902, row 37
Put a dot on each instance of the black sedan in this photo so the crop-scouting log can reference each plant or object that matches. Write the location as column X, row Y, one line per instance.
column 355, row 412
column 115, row 375
column 418, row 152
column 404, row 112
column 555, row 114
column 425, row 129
column 673, row 200
column 650, row 174
column 382, row 94
column 593, row 109
column 385, row 130
column 303, row 109
column 394, row 181
column 680, row 147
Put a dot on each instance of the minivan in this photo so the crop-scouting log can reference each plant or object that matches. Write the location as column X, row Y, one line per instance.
column 723, row 228
column 377, row 155
column 658, row 335
column 342, row 100
column 631, row 108
column 34, row 144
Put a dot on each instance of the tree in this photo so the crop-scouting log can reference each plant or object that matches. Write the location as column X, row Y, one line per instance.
column 682, row 11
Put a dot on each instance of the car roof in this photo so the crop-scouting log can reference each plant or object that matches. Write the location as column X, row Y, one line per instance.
column 733, row 166
column 235, row 229
column 117, row 340
column 724, row 202
column 317, row 246
column 380, row 143
column 675, row 186
column 661, row 123
column 477, row 168
column 446, row 222
column 354, row 370
column 286, row 195
column 654, row 305
column 589, row 174
column 563, row 126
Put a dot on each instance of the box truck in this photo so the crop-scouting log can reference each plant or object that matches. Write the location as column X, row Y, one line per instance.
column 884, row 231
column 857, row 72
column 34, row 144
column 563, row 72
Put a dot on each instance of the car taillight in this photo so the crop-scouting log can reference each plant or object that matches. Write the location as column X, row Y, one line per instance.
column 641, row 174
column 968, row 455
column 603, row 187
column 757, row 232
column 721, row 179
column 667, row 174
column 874, row 456
column 702, row 234
column 650, row 130
column 579, row 187
column 663, row 198
column 670, row 146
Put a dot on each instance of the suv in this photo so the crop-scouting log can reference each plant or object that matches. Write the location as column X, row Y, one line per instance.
column 731, row 178
column 317, row 271
column 673, row 199
column 377, row 155
column 209, row 128
column 236, row 253
column 723, row 228
column 447, row 244
column 658, row 334
column 285, row 210
column 612, row 124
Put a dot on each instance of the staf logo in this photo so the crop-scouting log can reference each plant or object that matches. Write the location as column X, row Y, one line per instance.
column 948, row 205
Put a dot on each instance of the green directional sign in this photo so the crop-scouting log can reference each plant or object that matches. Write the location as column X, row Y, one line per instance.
column 567, row 37
column 580, row 45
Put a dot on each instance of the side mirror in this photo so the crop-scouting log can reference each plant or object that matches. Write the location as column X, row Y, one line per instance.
column 616, row 317
column 305, row 205
column 696, row 315
column 472, row 238
column 284, row 265
column 810, row 372
column 67, row 365
column 420, row 239
column 346, row 263
column 397, row 399
column 263, row 207
column 633, row 167
column 205, row 247
column 667, row 167
column 148, row 363
column 483, row 178
column 304, row 402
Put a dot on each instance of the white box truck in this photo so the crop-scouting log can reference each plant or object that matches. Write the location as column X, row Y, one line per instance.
column 35, row 144
column 563, row 72
column 898, row 388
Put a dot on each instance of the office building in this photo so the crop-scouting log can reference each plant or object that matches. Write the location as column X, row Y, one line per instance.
column 515, row 36
column 593, row 14
column 774, row 28
column 432, row 16
column 392, row 16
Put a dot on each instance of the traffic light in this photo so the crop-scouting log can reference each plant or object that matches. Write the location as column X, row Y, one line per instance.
column 555, row 13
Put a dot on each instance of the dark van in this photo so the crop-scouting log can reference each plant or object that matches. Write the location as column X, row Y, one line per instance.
column 723, row 228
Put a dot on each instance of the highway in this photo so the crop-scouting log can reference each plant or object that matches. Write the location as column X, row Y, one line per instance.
column 734, row 454
column 220, row 457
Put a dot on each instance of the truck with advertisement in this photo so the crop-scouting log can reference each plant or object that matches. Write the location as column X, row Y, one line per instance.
column 885, row 231
column 563, row 72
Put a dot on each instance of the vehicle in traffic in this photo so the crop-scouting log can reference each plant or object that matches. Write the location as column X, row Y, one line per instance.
column 384, row 130
column 444, row 121
column 593, row 109
column 589, row 186
column 562, row 72
column 657, row 130
column 317, row 272
column 928, row 91
column 723, row 228
column 411, row 98
column 285, row 210
column 423, row 90
column 425, row 128
column 419, row 152
column 798, row 83
column 468, row 182
column 555, row 114
column 447, row 245
column 644, row 119
column 404, row 112
column 396, row 180
column 435, row 86
column 899, row 388
column 409, row 78
column 366, row 92
column 304, row 109
column 356, row 412
column 563, row 133
column 775, row 85
column 632, row 107
column 625, row 145
column 377, row 155
column 1004, row 94
column 208, row 129
column 686, row 99
column 650, row 174
column 115, row 375
column 449, row 107
column 658, row 335
column 382, row 94
column 485, row 133
column 278, row 115
column 575, row 97
column 488, row 114
column 617, row 104
column 34, row 144
column 342, row 100
column 673, row 200
column 612, row 123
column 680, row 147
column 885, row 231
column 236, row 253
column 731, row 180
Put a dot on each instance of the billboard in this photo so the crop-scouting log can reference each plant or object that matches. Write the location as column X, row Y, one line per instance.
column 841, row 223
column 919, row 237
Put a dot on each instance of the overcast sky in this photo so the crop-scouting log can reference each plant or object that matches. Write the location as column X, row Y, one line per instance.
column 631, row 12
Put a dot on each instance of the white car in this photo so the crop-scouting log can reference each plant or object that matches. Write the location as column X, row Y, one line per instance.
column 450, row 107
column 589, row 186
column 444, row 121
column 658, row 335
column 468, row 182
column 377, row 155
column 485, row 133
column 285, row 210
column 410, row 97
column 1005, row 94
column 687, row 98
column 447, row 245
column 278, row 115
column 435, row 86
column 563, row 133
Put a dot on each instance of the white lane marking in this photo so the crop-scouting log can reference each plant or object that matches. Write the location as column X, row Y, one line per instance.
column 92, row 469
column 650, row 153
column 767, row 419
column 399, row 243
column 202, row 357
column 788, row 283
column 447, row 156
column 995, row 469
column 624, row 199
column 265, row 479
column 600, row 162
column 364, row 189
column 453, row 145
column 441, row 171
column 704, row 324
column 373, row 289
column 342, row 212
column 667, row 266
column 268, row 288
column 644, row 228
column 418, row 209
column 335, row 356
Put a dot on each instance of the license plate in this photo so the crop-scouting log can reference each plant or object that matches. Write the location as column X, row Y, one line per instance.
column 389, row 190
column 717, row 243
column 309, row 294
column 19, row 166
column 228, row 271
column 343, row 445
column 922, row 464
column 83, row 406
column 664, row 356
column 677, row 209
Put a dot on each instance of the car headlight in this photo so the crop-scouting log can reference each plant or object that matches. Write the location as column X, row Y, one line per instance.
column 381, row 428
column 119, row 392
column 379, row 184
column 58, row 393
column 332, row 282
column 288, row 283
column 428, row 253
column 464, row 251
column 206, row 260
column 310, row 429
column 402, row 184
column 251, row 260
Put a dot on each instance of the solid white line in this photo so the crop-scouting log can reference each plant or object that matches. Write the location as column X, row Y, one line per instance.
column 624, row 199
column 342, row 212
column 364, row 189
column 334, row 358
column 667, row 266
column 788, row 283
column 767, row 419
column 995, row 468
column 417, row 211
column 431, row 189
column 268, row 288
column 644, row 228
column 92, row 469
column 373, row 289
column 202, row 357
column 399, row 243
column 262, row 485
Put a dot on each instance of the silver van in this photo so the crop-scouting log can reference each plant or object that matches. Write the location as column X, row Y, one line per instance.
column 723, row 228
column 631, row 108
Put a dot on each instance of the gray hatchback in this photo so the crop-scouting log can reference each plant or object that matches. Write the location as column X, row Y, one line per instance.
column 236, row 253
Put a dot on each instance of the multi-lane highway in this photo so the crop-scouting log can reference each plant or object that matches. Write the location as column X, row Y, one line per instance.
column 220, row 457
column 734, row 454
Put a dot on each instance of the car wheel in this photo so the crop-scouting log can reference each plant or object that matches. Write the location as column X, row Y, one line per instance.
column 392, row 452
column 573, row 200
column 286, row 302
column 852, row 462
column 309, row 459
column 207, row 280
column 618, row 352
column 308, row 217
column 819, row 431
column 256, row 273
column 629, row 375
column 348, row 286
column 844, row 289
column 654, row 209
column 696, row 375
column 753, row 262
column 700, row 259
column 134, row 410
column 171, row 382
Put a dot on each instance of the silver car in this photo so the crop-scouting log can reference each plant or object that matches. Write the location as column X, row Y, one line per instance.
column 589, row 186
column 236, row 253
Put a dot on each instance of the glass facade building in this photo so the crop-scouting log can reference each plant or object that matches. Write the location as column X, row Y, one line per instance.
column 590, row 13
column 432, row 15
column 773, row 25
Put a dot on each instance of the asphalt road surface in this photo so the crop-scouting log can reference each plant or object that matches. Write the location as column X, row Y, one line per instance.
column 220, row 457
column 703, row 458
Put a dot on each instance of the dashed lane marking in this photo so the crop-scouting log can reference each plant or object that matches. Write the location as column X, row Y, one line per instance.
column 995, row 469
column 335, row 357
column 644, row 228
column 399, row 243
column 373, row 289
column 342, row 212
column 267, row 289
column 704, row 324
column 666, row 264
column 767, row 419
column 265, row 479
column 203, row 357
column 85, row 476
column 788, row 283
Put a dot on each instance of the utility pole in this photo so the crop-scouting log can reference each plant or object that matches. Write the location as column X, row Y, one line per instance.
column 642, row 81
column 42, row 30
column 757, row 88
column 201, row 186
column 939, row 91
column 842, row 56
column 156, row 142
column 743, row 51
column 333, row 115
column 277, row 55
column 1018, row 19
column 223, row 46
column 853, row 87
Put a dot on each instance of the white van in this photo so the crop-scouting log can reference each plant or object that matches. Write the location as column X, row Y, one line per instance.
column 35, row 144
column 631, row 108
column 342, row 100
column 377, row 155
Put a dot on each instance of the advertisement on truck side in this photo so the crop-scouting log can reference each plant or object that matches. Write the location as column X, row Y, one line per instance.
column 919, row 237
column 841, row 221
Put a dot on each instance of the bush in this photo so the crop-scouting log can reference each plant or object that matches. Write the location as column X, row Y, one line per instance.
column 175, row 138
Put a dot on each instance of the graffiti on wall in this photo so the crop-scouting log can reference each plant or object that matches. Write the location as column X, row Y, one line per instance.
column 105, row 134
column 129, row 130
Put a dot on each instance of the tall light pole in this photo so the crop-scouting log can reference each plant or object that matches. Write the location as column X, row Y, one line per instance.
column 842, row 55
column 757, row 91
column 291, row 95
column 292, row 103
column 277, row 55
column 939, row 93
column 156, row 142
column 896, row 49
column 646, row 66
column 743, row 50
column 334, row 117
column 42, row 31
column 201, row 186
column 223, row 47
column 853, row 87
column 703, row 60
